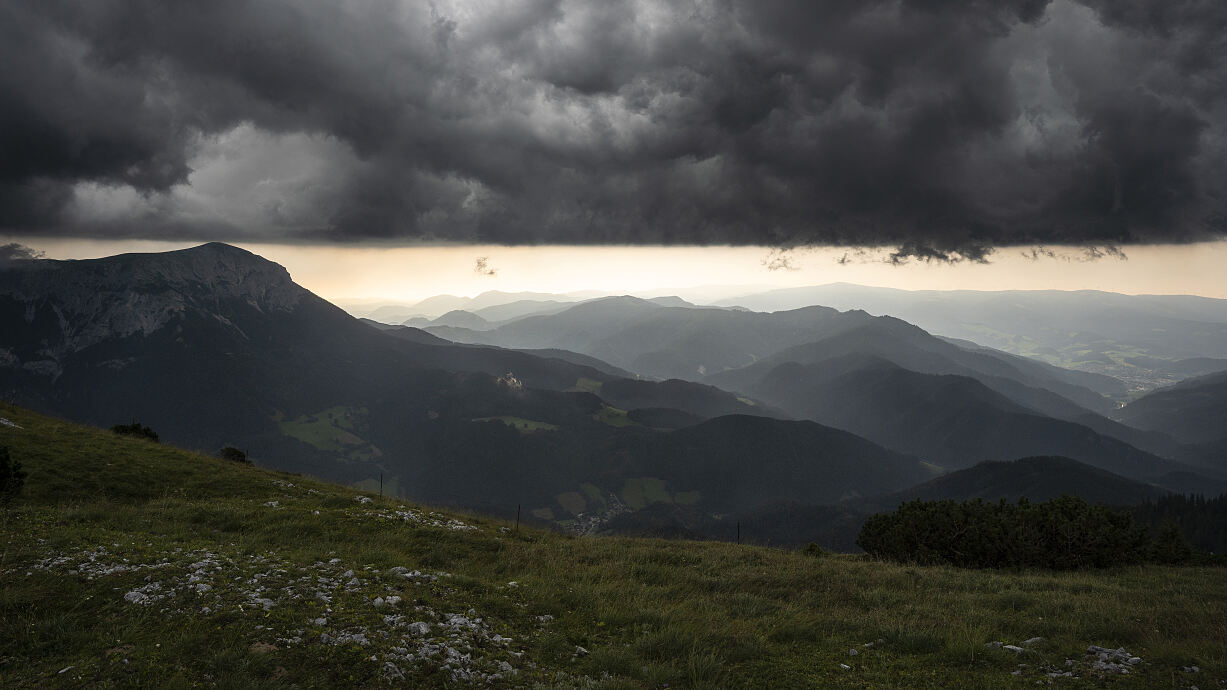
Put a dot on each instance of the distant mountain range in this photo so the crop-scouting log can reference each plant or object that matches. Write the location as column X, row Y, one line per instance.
column 694, row 342
column 1146, row 340
column 607, row 412
column 215, row 346
column 954, row 421
column 501, row 305
column 1037, row 479
column 952, row 403
column 1193, row 411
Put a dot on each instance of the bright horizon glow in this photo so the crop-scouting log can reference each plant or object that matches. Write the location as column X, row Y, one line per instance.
column 405, row 275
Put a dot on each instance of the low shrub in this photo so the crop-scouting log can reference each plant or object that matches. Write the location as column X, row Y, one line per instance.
column 137, row 430
column 234, row 455
column 1065, row 533
column 12, row 478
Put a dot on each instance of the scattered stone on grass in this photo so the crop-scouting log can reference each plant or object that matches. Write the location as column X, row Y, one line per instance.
column 206, row 582
column 432, row 519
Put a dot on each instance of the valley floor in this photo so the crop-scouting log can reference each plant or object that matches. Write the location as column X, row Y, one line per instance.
column 126, row 563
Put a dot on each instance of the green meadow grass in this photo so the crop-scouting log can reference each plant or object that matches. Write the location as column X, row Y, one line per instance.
column 587, row 385
column 594, row 497
column 330, row 429
column 640, row 492
column 613, row 416
column 560, row 611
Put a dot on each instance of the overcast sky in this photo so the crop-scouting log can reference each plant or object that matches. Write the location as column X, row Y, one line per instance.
column 939, row 127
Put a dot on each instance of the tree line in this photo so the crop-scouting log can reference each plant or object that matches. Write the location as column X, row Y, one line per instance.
column 1065, row 533
column 1203, row 521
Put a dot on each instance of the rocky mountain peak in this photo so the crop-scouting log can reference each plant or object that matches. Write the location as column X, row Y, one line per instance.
column 210, row 272
column 97, row 299
column 217, row 270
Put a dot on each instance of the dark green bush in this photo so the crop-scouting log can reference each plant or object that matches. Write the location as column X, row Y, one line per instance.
column 1200, row 520
column 812, row 549
column 1170, row 546
column 234, row 455
column 135, row 429
column 12, row 478
column 1063, row 534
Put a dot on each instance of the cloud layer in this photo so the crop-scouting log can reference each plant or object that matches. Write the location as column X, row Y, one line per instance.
column 942, row 128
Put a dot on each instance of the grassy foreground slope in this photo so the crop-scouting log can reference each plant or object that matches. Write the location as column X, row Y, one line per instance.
column 126, row 563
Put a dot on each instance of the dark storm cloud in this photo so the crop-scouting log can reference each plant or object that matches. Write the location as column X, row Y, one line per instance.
column 780, row 260
column 16, row 252
column 942, row 129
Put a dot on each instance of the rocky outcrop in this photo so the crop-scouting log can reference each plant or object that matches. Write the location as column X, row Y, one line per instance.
column 67, row 306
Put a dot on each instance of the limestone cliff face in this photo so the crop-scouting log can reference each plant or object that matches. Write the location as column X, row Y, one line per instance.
column 55, row 308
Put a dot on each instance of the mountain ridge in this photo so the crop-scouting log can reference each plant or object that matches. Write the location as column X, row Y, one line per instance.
column 305, row 387
column 134, row 294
